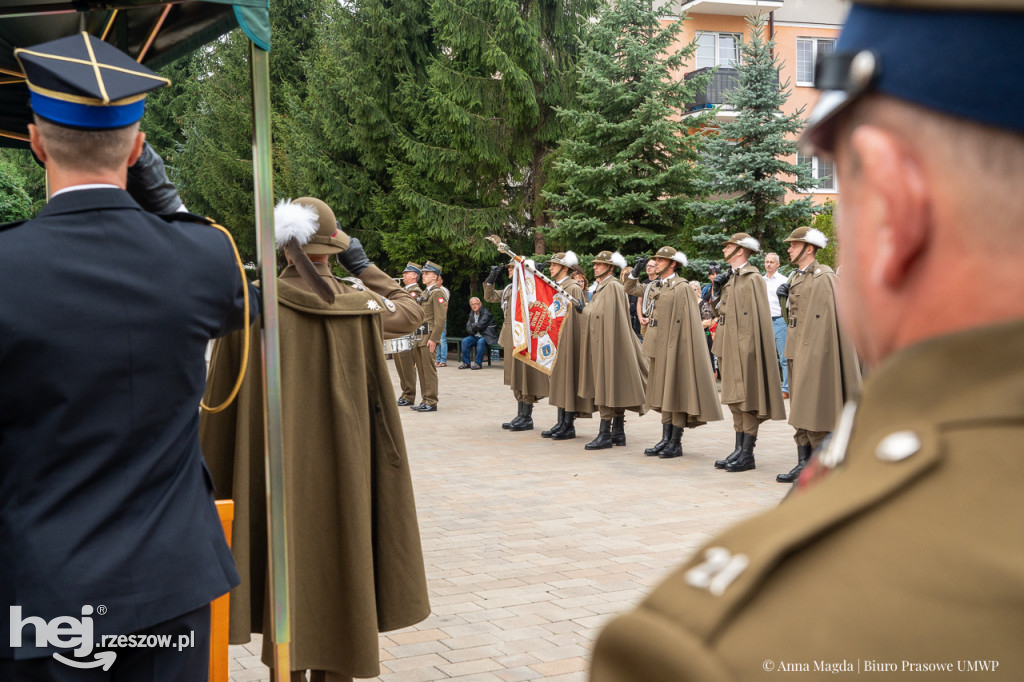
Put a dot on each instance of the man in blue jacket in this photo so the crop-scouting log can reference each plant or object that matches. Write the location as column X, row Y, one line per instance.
column 107, row 521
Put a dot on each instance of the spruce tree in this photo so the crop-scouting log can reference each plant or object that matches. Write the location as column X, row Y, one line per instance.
column 747, row 158
column 627, row 172
column 15, row 203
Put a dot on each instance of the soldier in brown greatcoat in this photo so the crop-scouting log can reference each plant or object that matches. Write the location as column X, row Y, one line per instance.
column 565, row 373
column 745, row 346
column 405, row 362
column 822, row 353
column 528, row 384
column 613, row 370
column 680, row 382
column 901, row 549
column 435, row 313
column 355, row 560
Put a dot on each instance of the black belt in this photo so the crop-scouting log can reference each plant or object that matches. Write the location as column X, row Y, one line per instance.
column 652, row 323
column 777, row 317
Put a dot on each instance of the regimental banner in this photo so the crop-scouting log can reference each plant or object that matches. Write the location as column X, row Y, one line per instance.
column 539, row 310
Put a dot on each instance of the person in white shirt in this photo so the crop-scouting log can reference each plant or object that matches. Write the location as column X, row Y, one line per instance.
column 773, row 278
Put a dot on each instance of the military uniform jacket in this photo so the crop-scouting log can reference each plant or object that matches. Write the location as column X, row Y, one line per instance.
column 565, row 375
column 911, row 549
column 521, row 377
column 745, row 346
column 356, row 564
column 826, row 372
column 105, row 316
column 614, row 370
column 680, row 378
column 435, row 314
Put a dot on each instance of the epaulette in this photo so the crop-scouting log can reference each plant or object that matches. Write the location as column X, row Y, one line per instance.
column 12, row 224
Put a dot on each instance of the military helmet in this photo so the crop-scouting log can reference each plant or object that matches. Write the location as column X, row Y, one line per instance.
column 904, row 48
column 568, row 259
column 610, row 258
column 810, row 235
column 671, row 254
column 311, row 223
column 745, row 240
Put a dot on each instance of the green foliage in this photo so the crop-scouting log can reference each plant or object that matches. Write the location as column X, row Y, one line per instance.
column 625, row 175
column 747, row 158
column 15, row 203
column 825, row 221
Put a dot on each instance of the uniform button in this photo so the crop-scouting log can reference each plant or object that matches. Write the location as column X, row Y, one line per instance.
column 898, row 446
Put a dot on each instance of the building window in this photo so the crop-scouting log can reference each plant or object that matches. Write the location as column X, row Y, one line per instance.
column 808, row 52
column 718, row 49
column 821, row 170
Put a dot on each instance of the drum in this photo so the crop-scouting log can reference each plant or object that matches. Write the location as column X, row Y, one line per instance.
column 401, row 344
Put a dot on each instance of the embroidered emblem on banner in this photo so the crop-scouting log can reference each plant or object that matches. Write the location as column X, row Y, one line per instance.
column 540, row 319
column 546, row 350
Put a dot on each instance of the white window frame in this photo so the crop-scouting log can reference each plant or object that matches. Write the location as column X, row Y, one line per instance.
column 816, row 170
column 814, row 44
column 718, row 61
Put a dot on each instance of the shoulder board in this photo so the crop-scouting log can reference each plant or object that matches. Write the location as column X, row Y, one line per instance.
column 185, row 217
column 11, row 225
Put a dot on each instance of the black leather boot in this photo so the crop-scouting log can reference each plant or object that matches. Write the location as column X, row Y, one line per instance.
column 619, row 431
column 526, row 424
column 568, row 429
column 557, row 427
column 745, row 460
column 720, row 464
column 604, row 437
column 516, row 419
column 803, row 453
column 666, row 436
column 675, row 445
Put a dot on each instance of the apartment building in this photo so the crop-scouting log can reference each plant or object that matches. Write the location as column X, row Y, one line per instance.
column 803, row 30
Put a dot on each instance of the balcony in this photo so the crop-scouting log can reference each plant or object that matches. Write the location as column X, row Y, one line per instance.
column 713, row 94
column 736, row 8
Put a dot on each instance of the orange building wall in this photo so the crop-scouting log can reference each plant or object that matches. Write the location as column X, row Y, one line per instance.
column 785, row 52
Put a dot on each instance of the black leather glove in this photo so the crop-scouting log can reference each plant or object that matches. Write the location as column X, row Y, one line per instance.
column 783, row 289
column 639, row 266
column 149, row 185
column 354, row 258
column 492, row 277
column 720, row 280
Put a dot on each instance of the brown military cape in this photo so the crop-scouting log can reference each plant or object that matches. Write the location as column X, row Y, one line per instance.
column 404, row 361
column 745, row 346
column 911, row 551
column 519, row 376
column 613, row 370
column 565, row 375
column 680, row 377
column 356, row 565
column 826, row 372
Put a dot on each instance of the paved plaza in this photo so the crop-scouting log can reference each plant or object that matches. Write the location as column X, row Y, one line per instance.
column 531, row 546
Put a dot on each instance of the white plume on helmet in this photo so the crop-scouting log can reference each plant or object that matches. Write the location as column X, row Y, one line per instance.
column 750, row 243
column 294, row 221
column 680, row 258
column 618, row 260
column 570, row 259
column 816, row 237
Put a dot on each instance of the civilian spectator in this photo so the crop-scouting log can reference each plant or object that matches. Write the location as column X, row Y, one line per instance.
column 773, row 278
column 707, row 320
column 442, row 348
column 481, row 330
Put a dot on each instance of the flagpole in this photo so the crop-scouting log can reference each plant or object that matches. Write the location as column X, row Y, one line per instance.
column 503, row 248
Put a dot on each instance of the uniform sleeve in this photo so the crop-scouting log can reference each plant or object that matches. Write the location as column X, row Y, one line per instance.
column 490, row 295
column 439, row 305
column 632, row 286
column 407, row 315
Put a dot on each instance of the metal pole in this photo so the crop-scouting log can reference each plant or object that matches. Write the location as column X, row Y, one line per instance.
column 277, row 543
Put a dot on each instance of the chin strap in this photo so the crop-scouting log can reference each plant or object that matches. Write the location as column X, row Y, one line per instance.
column 735, row 250
column 245, row 335
column 799, row 256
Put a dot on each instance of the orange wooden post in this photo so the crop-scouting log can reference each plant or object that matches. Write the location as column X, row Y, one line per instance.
column 219, row 609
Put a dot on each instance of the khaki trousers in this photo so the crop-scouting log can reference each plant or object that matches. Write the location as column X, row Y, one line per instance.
column 744, row 422
column 406, row 367
column 524, row 398
column 608, row 413
column 427, row 371
column 812, row 438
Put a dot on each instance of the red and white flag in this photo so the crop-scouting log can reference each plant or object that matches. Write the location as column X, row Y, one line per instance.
column 538, row 312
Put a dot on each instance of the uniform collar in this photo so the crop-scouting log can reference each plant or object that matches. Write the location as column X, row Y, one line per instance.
column 88, row 200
